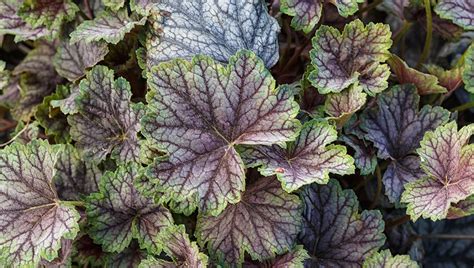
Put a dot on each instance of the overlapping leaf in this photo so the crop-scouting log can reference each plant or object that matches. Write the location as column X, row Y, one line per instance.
column 294, row 259
column 143, row 7
column 198, row 111
column 178, row 246
column 460, row 12
column 48, row 13
column 72, row 60
column 109, row 26
column 65, row 99
column 75, row 178
column 425, row 83
column 11, row 23
column 385, row 259
column 107, row 122
column 263, row 224
column 33, row 219
column 450, row 79
column 334, row 233
column 215, row 28
column 308, row 12
column 119, row 213
column 462, row 209
column 310, row 158
column 131, row 257
column 341, row 106
column 355, row 55
column 468, row 74
column 396, row 128
column 449, row 166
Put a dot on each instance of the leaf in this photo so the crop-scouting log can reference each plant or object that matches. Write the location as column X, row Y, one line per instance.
column 450, row 79
column 114, row 4
column 294, row 259
column 307, row 13
column 131, row 257
column 443, row 244
column 385, row 259
column 107, row 121
column 341, row 106
column 449, row 166
column 334, row 233
column 108, row 26
column 143, row 7
column 462, row 209
column 198, row 111
column 425, row 83
column 64, row 256
column 341, row 60
column 4, row 75
column 396, row 128
column 33, row 219
column 263, row 224
column 178, row 246
column 119, row 213
column 48, row 13
column 468, row 74
column 72, row 60
column 217, row 29
column 11, row 23
column 364, row 155
column 395, row 7
column 75, row 178
column 308, row 159
column 65, row 99
column 459, row 11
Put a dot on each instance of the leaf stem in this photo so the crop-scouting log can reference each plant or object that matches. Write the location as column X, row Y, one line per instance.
column 463, row 107
column 378, row 174
column 429, row 35
column 74, row 203
column 402, row 32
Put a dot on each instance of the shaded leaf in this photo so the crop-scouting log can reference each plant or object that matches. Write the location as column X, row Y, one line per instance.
column 107, row 121
column 294, row 259
column 384, row 259
column 215, row 28
column 119, row 213
column 65, row 99
column 355, row 55
column 263, row 224
column 462, row 209
column 334, row 233
column 449, row 166
column 468, row 74
column 460, row 12
column 108, row 26
column 396, row 127
column 198, row 111
column 364, row 155
column 425, row 83
column 72, row 60
column 33, row 219
column 310, row 158
column 131, row 257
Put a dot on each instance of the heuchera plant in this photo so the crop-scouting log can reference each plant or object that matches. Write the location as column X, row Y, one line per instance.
column 236, row 133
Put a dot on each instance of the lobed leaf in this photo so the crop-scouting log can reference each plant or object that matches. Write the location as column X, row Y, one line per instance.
column 266, row 222
column 215, row 28
column 119, row 213
column 107, row 122
column 33, row 219
column 355, row 55
column 449, row 166
column 198, row 111
column 386, row 260
column 460, row 12
column 341, row 106
column 310, row 158
column 334, row 233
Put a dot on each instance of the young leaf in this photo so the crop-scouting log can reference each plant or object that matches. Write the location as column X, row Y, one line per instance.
column 263, row 224
column 449, row 166
column 217, row 29
column 11, row 23
column 341, row 106
column 425, row 83
column 308, row 159
column 460, row 12
column 308, row 12
column 107, row 122
column 72, row 60
column 334, row 233
column 48, row 13
column 341, row 60
column 178, row 246
column 396, row 128
column 450, row 79
column 385, row 259
column 65, row 99
column 109, row 26
column 33, row 219
column 468, row 74
column 75, row 178
column 198, row 111
column 119, row 213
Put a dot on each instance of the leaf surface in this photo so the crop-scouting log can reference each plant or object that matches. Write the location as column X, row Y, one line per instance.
column 460, row 12
column 385, row 259
column 11, row 23
column 468, row 74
